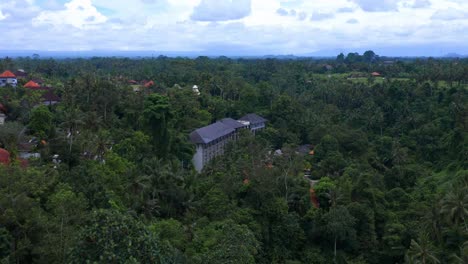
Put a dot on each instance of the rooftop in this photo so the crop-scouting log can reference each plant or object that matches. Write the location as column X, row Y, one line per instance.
column 20, row 73
column 149, row 84
column 7, row 74
column 253, row 119
column 232, row 123
column 49, row 96
column 4, row 156
column 210, row 133
column 32, row 85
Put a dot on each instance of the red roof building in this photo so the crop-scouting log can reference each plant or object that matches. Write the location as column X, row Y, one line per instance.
column 32, row 85
column 4, row 156
column 8, row 78
column 375, row 74
column 7, row 74
column 149, row 84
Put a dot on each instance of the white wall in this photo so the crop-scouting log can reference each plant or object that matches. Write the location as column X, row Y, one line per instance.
column 198, row 158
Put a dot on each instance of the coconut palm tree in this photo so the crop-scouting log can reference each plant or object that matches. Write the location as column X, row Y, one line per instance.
column 433, row 221
column 455, row 206
column 463, row 258
column 422, row 251
column 72, row 120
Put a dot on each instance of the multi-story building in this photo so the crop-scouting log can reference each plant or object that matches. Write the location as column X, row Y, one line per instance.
column 211, row 140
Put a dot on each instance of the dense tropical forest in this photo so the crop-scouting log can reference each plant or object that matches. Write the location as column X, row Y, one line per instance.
column 387, row 156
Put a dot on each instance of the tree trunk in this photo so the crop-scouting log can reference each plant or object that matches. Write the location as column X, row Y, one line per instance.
column 464, row 222
column 334, row 254
column 61, row 241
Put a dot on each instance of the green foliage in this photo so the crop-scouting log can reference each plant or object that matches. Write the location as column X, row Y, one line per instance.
column 111, row 236
column 224, row 242
column 157, row 115
column 10, row 134
column 41, row 121
column 134, row 148
column 389, row 162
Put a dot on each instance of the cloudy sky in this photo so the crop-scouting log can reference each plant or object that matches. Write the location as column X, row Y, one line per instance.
column 243, row 27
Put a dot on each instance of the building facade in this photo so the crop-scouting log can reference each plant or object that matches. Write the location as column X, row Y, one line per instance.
column 210, row 141
column 2, row 118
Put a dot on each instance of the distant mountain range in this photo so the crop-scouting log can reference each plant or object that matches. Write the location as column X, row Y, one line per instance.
column 232, row 53
column 455, row 55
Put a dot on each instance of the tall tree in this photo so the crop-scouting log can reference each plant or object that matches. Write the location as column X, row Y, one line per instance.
column 422, row 250
column 157, row 114
column 339, row 224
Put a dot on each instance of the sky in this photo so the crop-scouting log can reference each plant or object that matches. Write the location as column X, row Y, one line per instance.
column 237, row 27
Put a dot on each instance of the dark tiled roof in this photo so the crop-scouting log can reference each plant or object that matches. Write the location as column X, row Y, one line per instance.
column 209, row 133
column 232, row 123
column 253, row 119
column 21, row 74
column 50, row 97
column 39, row 81
column 304, row 149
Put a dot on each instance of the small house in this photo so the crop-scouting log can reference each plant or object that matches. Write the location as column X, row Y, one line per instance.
column 26, row 150
column 8, row 78
column 196, row 90
column 21, row 74
column 376, row 74
column 50, row 98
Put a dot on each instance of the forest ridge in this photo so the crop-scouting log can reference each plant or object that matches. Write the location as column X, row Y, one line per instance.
column 95, row 161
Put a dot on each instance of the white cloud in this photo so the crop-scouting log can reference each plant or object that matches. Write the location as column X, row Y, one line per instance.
column 321, row 16
column 450, row 14
column 377, row 5
column 221, row 10
column 245, row 26
column 78, row 13
column 3, row 16
column 282, row 12
column 421, row 4
column 302, row 16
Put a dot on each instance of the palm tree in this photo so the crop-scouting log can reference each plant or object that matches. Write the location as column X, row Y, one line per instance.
column 422, row 251
column 455, row 206
column 433, row 222
column 334, row 197
column 463, row 258
column 73, row 119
